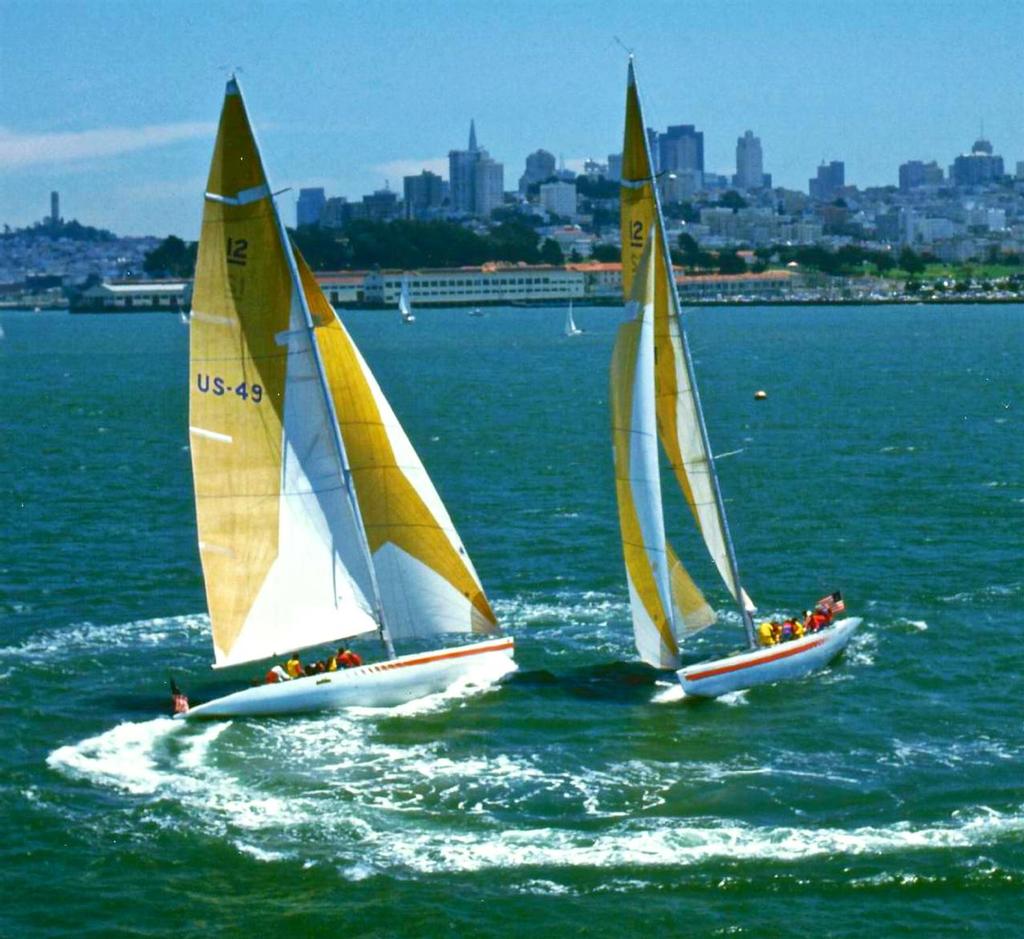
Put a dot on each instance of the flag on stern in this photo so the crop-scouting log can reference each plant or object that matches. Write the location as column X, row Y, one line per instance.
column 833, row 603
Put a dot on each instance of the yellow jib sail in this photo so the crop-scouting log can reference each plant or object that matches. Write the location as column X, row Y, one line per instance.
column 426, row 580
column 678, row 417
column 278, row 538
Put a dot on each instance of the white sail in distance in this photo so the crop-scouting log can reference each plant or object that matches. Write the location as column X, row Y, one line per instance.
column 404, row 303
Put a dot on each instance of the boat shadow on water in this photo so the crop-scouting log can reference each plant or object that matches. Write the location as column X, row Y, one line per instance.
column 614, row 682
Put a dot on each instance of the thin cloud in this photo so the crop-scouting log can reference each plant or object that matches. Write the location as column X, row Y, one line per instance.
column 18, row 149
column 394, row 170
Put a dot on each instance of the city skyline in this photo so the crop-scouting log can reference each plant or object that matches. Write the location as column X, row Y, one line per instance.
column 123, row 123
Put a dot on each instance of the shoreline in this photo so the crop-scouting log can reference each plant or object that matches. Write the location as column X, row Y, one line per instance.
column 582, row 302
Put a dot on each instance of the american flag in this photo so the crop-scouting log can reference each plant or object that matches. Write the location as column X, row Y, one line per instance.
column 833, row 602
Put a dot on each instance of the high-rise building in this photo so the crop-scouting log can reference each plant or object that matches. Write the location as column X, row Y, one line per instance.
column 681, row 147
column 423, row 194
column 382, row 205
column 977, row 167
column 830, row 179
column 615, row 167
column 914, row 174
column 540, row 167
column 559, row 198
column 476, row 181
column 309, row 206
column 749, row 162
column 488, row 186
column 55, row 208
column 337, row 211
column 460, row 173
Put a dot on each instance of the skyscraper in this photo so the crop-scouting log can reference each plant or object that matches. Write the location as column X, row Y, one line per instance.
column 309, row 206
column 423, row 194
column 540, row 167
column 54, row 208
column 488, row 186
column 977, row 167
column 476, row 180
column 681, row 147
column 460, row 173
column 914, row 174
column 830, row 179
column 749, row 162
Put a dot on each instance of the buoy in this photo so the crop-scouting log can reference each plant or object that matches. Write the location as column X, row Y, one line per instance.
column 760, row 395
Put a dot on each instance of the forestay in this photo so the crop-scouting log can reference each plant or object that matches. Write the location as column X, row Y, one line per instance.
column 278, row 537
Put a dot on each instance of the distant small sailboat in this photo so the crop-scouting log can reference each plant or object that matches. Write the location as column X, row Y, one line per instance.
column 654, row 398
column 476, row 311
column 571, row 329
column 316, row 519
column 183, row 316
column 405, row 304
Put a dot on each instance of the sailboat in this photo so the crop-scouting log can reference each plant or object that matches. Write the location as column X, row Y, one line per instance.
column 316, row 519
column 654, row 398
column 405, row 304
column 571, row 329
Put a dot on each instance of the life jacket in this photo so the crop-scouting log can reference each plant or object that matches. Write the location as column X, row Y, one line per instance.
column 332, row 663
column 818, row 621
column 349, row 659
column 293, row 667
column 764, row 633
column 798, row 629
column 787, row 630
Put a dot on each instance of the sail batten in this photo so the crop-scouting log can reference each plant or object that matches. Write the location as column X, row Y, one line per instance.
column 679, row 420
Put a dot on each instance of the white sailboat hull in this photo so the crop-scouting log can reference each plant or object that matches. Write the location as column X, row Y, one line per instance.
column 788, row 660
column 381, row 684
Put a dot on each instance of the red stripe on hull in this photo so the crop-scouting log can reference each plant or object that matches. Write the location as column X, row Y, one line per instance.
column 725, row 669
column 454, row 654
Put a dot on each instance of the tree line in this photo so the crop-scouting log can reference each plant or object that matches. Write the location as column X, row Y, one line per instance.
column 407, row 245
column 410, row 245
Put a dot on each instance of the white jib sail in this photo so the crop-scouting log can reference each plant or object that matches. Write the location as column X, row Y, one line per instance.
column 638, row 480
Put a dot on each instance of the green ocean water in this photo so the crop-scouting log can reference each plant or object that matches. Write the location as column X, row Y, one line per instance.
column 581, row 795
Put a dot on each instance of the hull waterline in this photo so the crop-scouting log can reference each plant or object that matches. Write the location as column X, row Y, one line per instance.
column 788, row 660
column 380, row 684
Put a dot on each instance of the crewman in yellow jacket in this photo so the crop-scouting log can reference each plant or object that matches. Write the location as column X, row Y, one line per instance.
column 766, row 633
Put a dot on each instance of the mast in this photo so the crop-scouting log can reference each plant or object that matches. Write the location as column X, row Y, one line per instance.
column 346, row 471
column 748, row 622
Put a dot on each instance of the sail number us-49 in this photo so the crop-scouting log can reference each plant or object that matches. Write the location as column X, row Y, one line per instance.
column 214, row 384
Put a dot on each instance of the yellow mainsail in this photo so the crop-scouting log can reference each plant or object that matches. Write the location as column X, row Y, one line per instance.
column 279, row 540
column 426, row 580
column 677, row 407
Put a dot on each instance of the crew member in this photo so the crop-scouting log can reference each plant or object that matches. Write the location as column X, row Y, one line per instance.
column 294, row 666
column 348, row 659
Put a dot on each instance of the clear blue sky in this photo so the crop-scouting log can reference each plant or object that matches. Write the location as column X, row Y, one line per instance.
column 114, row 103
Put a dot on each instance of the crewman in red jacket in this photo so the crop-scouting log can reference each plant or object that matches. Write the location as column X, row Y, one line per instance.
column 348, row 659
